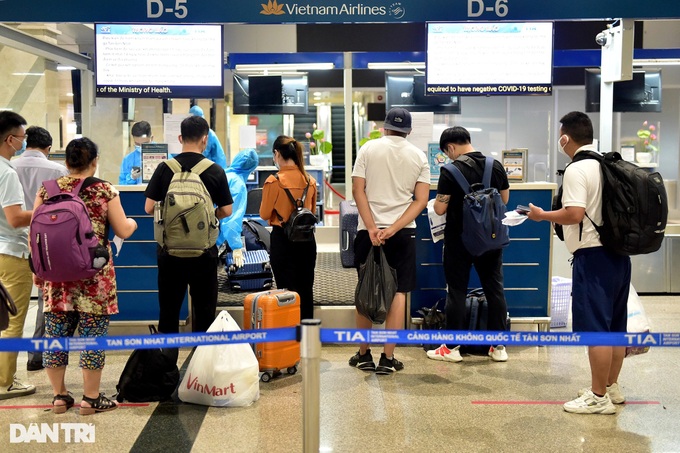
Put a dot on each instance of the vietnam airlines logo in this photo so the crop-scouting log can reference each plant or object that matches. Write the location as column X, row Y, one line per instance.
column 272, row 7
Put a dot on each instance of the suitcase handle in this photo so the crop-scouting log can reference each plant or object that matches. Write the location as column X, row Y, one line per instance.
column 345, row 241
column 286, row 299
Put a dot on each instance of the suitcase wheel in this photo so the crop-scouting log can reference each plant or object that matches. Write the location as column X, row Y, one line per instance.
column 292, row 370
column 266, row 377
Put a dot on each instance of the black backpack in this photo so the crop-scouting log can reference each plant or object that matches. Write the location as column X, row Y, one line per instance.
column 257, row 236
column 149, row 375
column 433, row 319
column 634, row 205
column 301, row 224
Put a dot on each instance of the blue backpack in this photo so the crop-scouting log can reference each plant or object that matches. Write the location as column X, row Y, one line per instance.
column 483, row 212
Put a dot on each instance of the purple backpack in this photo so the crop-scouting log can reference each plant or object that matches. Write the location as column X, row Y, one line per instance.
column 64, row 247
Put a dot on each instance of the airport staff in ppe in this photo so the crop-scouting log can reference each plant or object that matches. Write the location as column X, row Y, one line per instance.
column 230, row 227
column 131, row 168
column 213, row 150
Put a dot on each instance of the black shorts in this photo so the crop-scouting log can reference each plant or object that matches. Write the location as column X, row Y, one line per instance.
column 400, row 251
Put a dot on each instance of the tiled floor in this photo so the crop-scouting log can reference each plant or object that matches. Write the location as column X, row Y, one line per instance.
column 474, row 406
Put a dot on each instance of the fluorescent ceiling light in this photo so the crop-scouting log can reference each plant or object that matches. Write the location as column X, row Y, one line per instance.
column 27, row 73
column 474, row 129
column 657, row 62
column 397, row 65
column 65, row 68
column 283, row 67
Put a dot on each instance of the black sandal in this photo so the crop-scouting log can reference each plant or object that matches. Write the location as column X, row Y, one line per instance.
column 99, row 404
column 61, row 408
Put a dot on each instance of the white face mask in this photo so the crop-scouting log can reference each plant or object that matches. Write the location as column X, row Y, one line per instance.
column 276, row 163
column 559, row 144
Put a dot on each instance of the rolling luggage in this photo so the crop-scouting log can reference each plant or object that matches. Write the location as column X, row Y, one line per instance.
column 268, row 310
column 349, row 221
column 256, row 273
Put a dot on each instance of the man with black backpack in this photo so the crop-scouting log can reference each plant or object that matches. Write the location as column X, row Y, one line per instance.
column 463, row 248
column 601, row 277
column 182, row 195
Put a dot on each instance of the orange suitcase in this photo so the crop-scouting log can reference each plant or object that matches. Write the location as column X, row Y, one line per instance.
column 268, row 310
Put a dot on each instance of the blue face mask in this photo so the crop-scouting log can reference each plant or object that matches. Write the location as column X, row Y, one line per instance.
column 18, row 152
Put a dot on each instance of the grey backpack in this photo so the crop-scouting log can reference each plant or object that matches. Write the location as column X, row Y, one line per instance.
column 185, row 222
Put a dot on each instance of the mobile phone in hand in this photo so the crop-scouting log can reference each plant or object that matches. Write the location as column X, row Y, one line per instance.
column 521, row 209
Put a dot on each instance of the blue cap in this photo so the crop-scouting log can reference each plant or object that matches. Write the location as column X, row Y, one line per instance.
column 398, row 119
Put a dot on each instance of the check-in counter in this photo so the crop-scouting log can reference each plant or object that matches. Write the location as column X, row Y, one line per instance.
column 136, row 266
column 526, row 261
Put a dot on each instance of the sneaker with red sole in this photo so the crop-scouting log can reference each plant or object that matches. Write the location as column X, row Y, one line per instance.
column 445, row 354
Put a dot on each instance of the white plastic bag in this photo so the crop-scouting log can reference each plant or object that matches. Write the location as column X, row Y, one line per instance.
column 222, row 375
column 437, row 222
column 637, row 321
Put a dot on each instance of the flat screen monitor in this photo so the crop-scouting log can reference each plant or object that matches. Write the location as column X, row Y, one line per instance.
column 504, row 58
column 259, row 95
column 641, row 94
column 159, row 61
column 375, row 111
column 407, row 90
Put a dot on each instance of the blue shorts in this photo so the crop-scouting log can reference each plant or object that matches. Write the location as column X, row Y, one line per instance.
column 600, row 290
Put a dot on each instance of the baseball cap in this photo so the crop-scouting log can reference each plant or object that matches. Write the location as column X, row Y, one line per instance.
column 398, row 119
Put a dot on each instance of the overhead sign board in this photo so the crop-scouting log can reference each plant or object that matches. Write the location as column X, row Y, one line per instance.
column 329, row 11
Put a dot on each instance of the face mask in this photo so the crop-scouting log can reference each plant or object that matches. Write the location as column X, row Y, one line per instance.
column 559, row 144
column 276, row 163
column 138, row 148
column 18, row 152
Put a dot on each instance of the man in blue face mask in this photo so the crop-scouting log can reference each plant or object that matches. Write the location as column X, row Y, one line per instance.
column 131, row 168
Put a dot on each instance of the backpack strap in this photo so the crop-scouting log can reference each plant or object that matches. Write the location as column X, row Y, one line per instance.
column 459, row 177
column 174, row 165
column 201, row 166
column 290, row 196
column 488, row 166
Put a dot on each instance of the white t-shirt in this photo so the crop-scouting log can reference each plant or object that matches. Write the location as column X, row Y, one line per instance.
column 582, row 187
column 391, row 167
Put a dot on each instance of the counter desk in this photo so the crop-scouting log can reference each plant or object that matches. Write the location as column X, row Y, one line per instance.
column 526, row 261
column 136, row 266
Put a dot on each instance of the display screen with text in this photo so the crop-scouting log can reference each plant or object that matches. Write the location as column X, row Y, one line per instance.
column 489, row 58
column 159, row 61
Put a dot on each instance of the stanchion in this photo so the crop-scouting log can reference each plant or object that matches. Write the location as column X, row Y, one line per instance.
column 310, row 353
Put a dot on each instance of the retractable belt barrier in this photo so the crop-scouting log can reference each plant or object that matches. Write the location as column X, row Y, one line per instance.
column 507, row 338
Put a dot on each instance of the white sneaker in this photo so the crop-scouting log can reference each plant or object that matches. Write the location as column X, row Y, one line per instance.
column 15, row 390
column 614, row 392
column 498, row 354
column 589, row 403
column 445, row 354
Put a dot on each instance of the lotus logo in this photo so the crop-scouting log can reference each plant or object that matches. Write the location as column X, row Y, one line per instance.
column 53, row 217
column 272, row 7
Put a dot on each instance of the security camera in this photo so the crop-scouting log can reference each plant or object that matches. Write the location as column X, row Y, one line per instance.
column 602, row 38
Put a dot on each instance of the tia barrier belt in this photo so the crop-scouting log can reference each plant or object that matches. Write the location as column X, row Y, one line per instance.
column 507, row 338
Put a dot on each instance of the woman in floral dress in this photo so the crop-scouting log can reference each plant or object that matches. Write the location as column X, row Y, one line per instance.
column 86, row 305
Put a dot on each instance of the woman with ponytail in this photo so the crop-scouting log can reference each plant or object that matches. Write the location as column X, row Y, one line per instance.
column 292, row 262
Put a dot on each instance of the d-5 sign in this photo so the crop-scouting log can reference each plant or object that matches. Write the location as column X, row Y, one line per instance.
column 155, row 9
column 500, row 8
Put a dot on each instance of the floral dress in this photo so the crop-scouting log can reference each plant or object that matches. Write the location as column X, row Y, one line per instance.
column 96, row 295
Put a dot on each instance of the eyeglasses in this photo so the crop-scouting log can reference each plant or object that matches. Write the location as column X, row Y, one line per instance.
column 140, row 143
column 21, row 137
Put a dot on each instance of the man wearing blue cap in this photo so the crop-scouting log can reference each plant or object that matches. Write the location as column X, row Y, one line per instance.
column 391, row 185
column 213, row 150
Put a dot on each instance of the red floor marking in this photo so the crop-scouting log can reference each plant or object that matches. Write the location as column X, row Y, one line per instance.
column 546, row 402
column 49, row 406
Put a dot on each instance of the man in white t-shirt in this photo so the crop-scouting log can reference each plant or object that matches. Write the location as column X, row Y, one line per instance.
column 601, row 278
column 390, row 184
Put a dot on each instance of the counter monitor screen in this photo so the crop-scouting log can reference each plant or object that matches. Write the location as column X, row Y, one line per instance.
column 640, row 94
column 159, row 61
column 274, row 95
column 472, row 59
column 407, row 90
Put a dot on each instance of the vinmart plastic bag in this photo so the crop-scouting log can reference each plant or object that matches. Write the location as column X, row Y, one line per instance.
column 223, row 375
column 376, row 288
column 637, row 321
